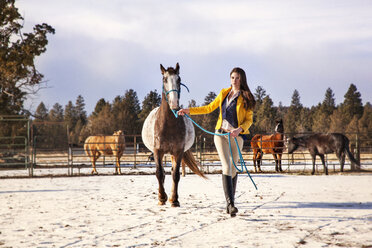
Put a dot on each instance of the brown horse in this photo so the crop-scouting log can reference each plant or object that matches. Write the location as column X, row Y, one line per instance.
column 95, row 146
column 273, row 144
column 163, row 133
column 324, row 143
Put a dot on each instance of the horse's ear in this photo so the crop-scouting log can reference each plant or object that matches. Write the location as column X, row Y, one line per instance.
column 177, row 68
column 162, row 69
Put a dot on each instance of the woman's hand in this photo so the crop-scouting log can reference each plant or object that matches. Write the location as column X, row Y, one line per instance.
column 183, row 111
column 234, row 133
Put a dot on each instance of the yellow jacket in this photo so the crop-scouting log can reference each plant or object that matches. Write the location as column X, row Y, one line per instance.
column 245, row 117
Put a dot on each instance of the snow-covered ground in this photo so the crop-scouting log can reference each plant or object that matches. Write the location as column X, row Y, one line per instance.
column 122, row 211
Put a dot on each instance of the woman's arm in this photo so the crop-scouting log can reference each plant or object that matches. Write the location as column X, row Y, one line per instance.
column 183, row 111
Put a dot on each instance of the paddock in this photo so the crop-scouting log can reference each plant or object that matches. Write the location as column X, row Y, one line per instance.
column 122, row 211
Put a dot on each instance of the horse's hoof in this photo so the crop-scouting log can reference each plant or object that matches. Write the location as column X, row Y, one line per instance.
column 162, row 200
column 175, row 204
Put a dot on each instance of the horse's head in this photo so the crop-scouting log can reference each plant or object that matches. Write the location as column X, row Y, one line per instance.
column 279, row 128
column 292, row 144
column 171, row 85
column 118, row 133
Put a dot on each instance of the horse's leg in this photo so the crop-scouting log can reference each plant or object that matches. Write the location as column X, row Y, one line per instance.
column 341, row 158
column 160, row 175
column 276, row 162
column 259, row 160
column 117, row 168
column 280, row 161
column 115, row 154
column 254, row 159
column 324, row 165
column 177, row 160
column 95, row 157
column 313, row 158
column 183, row 168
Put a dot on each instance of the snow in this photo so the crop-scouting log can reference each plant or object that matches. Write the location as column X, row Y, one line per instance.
column 122, row 211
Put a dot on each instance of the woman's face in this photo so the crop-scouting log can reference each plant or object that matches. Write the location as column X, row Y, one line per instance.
column 235, row 80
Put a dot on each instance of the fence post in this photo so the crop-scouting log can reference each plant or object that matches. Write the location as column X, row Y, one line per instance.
column 357, row 148
column 135, row 152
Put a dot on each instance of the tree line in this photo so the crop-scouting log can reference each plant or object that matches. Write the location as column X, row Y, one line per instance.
column 126, row 113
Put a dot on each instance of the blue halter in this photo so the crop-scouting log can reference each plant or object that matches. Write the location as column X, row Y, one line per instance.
column 178, row 91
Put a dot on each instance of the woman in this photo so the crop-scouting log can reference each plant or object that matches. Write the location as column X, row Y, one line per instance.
column 236, row 105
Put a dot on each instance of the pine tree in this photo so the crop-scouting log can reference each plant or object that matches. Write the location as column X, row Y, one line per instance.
column 81, row 114
column 209, row 120
column 19, row 76
column 265, row 116
column 41, row 112
column 338, row 123
column 151, row 101
column 99, row 106
column 352, row 104
column 70, row 117
column 259, row 95
column 56, row 113
column 322, row 113
column 365, row 124
column 126, row 113
column 292, row 117
column 328, row 104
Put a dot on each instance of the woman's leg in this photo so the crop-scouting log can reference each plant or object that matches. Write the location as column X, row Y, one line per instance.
column 223, row 149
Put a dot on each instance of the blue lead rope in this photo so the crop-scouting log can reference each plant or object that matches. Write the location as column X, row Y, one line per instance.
column 242, row 163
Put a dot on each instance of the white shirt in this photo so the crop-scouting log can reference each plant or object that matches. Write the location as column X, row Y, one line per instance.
column 225, row 124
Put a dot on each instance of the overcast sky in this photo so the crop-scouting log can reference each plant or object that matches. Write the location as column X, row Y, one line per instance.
column 103, row 48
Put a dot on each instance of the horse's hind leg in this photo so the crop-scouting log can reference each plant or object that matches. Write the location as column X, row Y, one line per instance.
column 95, row 156
column 160, row 175
column 254, row 159
column 276, row 162
column 341, row 158
column 176, row 178
column 324, row 165
column 313, row 158
column 183, row 166
column 280, row 161
column 117, row 166
column 259, row 160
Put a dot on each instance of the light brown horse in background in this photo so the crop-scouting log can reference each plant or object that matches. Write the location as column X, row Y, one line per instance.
column 114, row 145
column 273, row 144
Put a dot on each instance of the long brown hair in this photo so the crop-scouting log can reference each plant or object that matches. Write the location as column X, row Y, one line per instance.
column 248, row 98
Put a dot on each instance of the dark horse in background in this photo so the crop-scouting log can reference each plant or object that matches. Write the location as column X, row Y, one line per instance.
column 269, row 144
column 163, row 133
column 320, row 144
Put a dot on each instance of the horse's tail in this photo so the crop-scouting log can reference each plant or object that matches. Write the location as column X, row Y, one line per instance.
column 350, row 155
column 189, row 160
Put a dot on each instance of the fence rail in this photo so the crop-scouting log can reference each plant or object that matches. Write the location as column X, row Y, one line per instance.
column 73, row 159
column 34, row 149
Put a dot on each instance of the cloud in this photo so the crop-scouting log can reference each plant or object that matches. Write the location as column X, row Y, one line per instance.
column 292, row 44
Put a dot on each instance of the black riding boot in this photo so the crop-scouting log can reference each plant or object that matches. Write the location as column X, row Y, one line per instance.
column 234, row 182
column 229, row 194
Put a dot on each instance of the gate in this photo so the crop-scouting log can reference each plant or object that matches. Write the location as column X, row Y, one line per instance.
column 14, row 143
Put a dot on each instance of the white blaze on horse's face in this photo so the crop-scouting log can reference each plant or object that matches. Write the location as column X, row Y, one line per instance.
column 172, row 89
column 276, row 127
